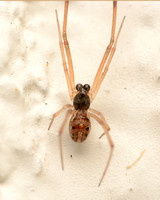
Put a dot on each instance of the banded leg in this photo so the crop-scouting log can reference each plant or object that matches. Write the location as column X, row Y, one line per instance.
column 108, row 49
column 102, row 123
column 67, row 48
column 69, row 112
column 64, row 60
column 99, row 82
column 58, row 112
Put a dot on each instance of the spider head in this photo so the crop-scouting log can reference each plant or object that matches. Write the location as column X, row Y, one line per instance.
column 82, row 101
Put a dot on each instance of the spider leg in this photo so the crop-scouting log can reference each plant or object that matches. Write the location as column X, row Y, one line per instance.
column 108, row 49
column 101, row 116
column 102, row 123
column 58, row 112
column 69, row 112
column 99, row 82
column 64, row 60
column 67, row 48
column 101, row 135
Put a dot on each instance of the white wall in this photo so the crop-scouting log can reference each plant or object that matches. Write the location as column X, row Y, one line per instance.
column 30, row 93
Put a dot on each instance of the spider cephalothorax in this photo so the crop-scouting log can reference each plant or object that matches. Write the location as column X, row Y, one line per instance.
column 82, row 101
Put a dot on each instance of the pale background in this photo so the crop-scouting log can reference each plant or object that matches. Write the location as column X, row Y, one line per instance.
column 30, row 93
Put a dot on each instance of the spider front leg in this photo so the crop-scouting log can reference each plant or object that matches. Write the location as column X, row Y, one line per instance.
column 100, row 76
column 103, row 124
column 67, row 48
column 108, row 49
column 70, row 90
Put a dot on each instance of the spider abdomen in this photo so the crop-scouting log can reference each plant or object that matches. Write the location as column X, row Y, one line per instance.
column 79, row 126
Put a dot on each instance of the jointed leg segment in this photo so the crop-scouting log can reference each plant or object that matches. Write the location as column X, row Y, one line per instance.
column 69, row 74
column 110, row 50
column 103, row 124
column 108, row 63
column 69, row 112
column 101, row 116
column 66, row 44
column 64, row 60
column 58, row 112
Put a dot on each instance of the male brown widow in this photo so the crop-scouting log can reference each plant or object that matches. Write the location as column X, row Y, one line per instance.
column 82, row 95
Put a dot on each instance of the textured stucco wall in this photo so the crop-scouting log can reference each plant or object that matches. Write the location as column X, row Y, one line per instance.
column 30, row 93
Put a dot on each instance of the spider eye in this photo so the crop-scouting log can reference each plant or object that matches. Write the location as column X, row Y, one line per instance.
column 79, row 87
column 86, row 87
column 73, row 127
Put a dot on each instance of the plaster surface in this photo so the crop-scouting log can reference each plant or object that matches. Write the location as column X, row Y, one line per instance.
column 30, row 93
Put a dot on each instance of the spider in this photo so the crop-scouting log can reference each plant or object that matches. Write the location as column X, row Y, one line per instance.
column 82, row 95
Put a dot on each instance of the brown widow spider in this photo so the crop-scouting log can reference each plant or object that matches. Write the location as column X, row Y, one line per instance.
column 82, row 95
